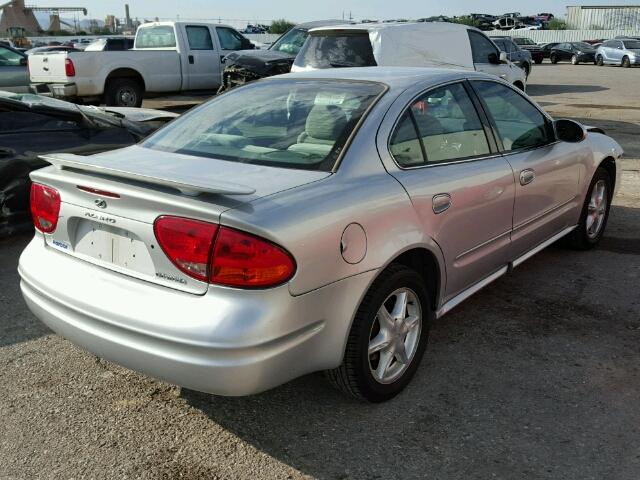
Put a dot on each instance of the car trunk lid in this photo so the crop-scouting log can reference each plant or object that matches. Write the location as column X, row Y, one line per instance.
column 110, row 201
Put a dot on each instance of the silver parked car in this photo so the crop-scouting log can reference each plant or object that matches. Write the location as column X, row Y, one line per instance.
column 310, row 221
column 14, row 73
column 625, row 52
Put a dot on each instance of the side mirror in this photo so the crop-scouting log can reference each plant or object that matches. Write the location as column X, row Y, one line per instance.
column 24, row 62
column 247, row 45
column 569, row 131
column 503, row 57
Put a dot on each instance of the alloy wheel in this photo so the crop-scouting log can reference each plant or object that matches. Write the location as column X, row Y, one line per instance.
column 597, row 209
column 395, row 335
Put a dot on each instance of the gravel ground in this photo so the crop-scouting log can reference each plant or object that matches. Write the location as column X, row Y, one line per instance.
column 536, row 377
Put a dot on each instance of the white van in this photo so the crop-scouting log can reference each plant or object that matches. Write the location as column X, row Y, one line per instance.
column 436, row 44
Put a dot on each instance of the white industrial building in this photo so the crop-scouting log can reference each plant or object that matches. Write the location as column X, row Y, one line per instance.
column 603, row 17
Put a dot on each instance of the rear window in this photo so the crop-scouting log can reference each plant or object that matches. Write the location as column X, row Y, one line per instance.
column 336, row 49
column 161, row 36
column 301, row 124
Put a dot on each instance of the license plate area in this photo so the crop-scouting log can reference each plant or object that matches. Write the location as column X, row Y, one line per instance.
column 112, row 245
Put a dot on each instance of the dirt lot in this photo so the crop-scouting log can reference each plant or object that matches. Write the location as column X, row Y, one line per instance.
column 535, row 377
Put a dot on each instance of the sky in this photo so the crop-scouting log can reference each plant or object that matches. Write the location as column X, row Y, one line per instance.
column 301, row 10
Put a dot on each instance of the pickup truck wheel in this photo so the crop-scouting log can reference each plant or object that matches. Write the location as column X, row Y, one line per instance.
column 388, row 337
column 595, row 213
column 123, row 92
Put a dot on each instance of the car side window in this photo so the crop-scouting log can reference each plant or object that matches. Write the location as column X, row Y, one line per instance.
column 229, row 39
column 199, row 38
column 9, row 58
column 519, row 124
column 481, row 47
column 11, row 122
column 441, row 125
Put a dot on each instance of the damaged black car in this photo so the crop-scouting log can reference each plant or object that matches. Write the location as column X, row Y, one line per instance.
column 245, row 66
column 32, row 125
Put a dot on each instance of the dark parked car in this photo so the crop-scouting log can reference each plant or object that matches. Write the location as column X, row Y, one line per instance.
column 575, row 52
column 522, row 58
column 31, row 125
column 244, row 66
column 547, row 47
column 532, row 47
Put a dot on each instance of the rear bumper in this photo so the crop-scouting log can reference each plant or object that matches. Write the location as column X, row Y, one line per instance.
column 226, row 342
column 55, row 90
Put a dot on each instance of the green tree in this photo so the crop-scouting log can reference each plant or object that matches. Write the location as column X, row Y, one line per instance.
column 557, row 24
column 465, row 20
column 280, row 26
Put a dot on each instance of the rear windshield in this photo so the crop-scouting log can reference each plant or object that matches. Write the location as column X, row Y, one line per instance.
column 336, row 49
column 160, row 36
column 301, row 124
column 524, row 41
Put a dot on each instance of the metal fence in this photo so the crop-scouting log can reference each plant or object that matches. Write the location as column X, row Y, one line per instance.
column 546, row 36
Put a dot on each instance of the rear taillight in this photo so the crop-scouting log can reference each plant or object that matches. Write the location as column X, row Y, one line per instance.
column 45, row 207
column 246, row 261
column 69, row 68
column 187, row 243
column 222, row 255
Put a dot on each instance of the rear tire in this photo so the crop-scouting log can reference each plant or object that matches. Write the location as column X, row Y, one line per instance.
column 371, row 369
column 123, row 92
column 626, row 63
column 538, row 61
column 553, row 59
column 595, row 213
column 599, row 61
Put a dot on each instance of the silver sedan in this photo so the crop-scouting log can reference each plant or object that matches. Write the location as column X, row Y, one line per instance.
column 312, row 221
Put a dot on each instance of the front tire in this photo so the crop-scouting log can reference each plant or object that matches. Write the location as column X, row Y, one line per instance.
column 123, row 92
column 599, row 61
column 574, row 60
column 388, row 337
column 626, row 63
column 595, row 212
column 553, row 59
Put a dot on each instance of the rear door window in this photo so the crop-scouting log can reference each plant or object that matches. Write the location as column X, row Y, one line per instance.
column 448, row 128
column 199, row 38
column 481, row 47
column 9, row 58
column 159, row 36
column 337, row 49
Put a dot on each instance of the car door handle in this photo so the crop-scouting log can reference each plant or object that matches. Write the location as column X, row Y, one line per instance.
column 441, row 203
column 527, row 176
column 191, row 59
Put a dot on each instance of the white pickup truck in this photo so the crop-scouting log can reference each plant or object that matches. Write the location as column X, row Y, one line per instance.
column 166, row 57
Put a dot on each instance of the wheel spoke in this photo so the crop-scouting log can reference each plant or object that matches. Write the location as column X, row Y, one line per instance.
column 400, row 308
column 411, row 322
column 401, row 355
column 385, row 319
column 380, row 342
column 386, row 357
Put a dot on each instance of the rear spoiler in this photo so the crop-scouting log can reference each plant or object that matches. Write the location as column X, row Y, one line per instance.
column 70, row 161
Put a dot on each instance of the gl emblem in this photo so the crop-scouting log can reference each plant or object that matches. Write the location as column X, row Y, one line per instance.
column 100, row 203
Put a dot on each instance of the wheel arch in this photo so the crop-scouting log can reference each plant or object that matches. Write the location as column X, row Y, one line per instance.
column 125, row 72
column 609, row 164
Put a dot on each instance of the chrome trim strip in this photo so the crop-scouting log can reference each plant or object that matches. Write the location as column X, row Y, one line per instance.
column 542, row 246
column 461, row 297
column 483, row 244
column 543, row 214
